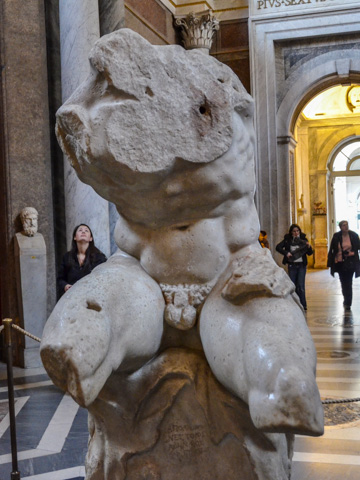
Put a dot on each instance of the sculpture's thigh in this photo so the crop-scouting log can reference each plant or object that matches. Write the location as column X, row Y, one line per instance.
column 112, row 319
column 262, row 351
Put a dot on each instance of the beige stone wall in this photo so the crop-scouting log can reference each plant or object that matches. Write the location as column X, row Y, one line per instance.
column 152, row 20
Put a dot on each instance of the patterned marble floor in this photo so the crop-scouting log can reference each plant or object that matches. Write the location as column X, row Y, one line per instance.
column 336, row 333
column 52, row 429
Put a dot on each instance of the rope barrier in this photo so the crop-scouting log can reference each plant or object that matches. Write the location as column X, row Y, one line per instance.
column 344, row 400
column 16, row 327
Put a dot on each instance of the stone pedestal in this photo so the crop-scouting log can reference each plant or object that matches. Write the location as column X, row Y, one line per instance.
column 30, row 255
column 173, row 420
column 321, row 242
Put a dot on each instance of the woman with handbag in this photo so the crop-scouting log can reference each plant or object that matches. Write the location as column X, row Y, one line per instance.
column 295, row 248
column 343, row 258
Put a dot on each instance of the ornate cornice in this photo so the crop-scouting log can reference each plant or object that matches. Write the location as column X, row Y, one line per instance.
column 223, row 9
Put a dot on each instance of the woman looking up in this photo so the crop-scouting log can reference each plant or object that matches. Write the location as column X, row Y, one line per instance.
column 343, row 258
column 295, row 248
column 80, row 260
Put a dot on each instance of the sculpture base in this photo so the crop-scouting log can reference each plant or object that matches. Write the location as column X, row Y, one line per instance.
column 32, row 357
column 172, row 420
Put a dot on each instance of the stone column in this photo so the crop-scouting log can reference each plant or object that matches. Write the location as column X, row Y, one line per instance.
column 112, row 15
column 282, row 207
column 79, row 29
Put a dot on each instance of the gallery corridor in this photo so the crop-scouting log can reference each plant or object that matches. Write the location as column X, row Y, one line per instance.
column 52, row 429
column 336, row 334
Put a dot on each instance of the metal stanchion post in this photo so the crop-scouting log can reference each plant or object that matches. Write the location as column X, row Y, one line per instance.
column 15, row 474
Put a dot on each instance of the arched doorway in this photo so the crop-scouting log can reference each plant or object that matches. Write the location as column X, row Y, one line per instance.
column 293, row 58
column 327, row 165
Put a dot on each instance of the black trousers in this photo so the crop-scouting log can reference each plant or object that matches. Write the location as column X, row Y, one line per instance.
column 346, row 278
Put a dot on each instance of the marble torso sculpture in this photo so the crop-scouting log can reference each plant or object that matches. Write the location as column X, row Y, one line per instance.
column 167, row 135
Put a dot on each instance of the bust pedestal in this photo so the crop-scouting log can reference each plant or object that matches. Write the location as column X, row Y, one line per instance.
column 30, row 257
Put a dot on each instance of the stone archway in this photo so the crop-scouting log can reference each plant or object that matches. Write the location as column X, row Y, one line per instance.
column 293, row 57
column 321, row 131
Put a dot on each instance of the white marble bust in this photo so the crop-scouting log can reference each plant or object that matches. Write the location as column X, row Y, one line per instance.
column 29, row 220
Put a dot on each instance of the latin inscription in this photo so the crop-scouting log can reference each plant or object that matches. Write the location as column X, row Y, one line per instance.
column 184, row 442
column 264, row 4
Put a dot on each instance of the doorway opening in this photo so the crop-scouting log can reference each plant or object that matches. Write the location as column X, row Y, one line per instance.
column 327, row 166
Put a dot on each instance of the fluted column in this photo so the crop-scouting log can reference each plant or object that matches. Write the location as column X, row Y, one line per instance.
column 79, row 29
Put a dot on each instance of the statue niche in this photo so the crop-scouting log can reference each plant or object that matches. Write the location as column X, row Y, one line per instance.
column 188, row 346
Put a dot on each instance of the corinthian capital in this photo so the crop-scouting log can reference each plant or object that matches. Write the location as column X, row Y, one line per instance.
column 197, row 29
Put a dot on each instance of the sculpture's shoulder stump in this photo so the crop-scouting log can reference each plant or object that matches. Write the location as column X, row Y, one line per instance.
column 172, row 420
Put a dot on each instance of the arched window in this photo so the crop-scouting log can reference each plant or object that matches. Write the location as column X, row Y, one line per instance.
column 345, row 175
column 348, row 158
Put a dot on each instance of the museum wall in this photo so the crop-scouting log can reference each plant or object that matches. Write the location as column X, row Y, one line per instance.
column 25, row 136
column 152, row 20
column 231, row 46
column 25, row 148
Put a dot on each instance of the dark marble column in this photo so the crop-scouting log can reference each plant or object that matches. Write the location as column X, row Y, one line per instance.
column 112, row 15
column 55, row 101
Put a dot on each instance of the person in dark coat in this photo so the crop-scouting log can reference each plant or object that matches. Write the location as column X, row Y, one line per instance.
column 80, row 260
column 343, row 258
column 295, row 248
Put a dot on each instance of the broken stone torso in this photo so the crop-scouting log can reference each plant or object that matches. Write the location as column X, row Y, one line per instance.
column 193, row 251
column 192, row 230
column 183, row 212
column 167, row 136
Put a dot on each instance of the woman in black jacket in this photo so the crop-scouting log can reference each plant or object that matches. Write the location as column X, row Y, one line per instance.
column 295, row 248
column 80, row 260
column 343, row 258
